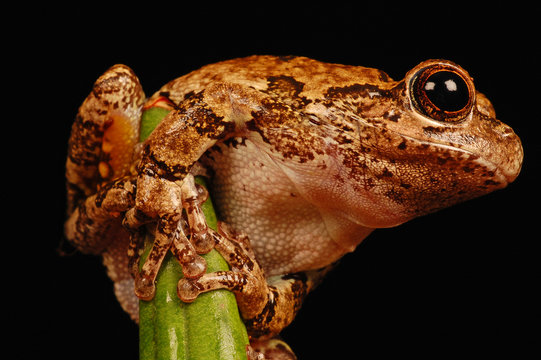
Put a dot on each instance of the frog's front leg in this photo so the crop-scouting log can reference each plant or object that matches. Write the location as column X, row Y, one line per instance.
column 267, row 305
column 165, row 185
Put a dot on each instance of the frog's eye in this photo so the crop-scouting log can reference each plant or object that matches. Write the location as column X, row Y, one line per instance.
column 442, row 92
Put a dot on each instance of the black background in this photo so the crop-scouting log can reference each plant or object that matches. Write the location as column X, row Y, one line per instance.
column 461, row 281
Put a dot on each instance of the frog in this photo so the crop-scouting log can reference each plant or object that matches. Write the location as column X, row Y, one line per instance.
column 304, row 159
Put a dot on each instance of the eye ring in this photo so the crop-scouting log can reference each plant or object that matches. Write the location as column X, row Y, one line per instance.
column 442, row 92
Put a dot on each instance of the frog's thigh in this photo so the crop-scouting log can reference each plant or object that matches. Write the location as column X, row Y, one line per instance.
column 104, row 133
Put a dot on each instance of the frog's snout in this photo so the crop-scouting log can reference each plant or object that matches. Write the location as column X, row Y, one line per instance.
column 512, row 156
column 502, row 148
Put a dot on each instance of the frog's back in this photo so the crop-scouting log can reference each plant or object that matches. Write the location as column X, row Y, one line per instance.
column 310, row 76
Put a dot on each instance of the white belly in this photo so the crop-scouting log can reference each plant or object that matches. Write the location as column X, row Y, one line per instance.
column 253, row 195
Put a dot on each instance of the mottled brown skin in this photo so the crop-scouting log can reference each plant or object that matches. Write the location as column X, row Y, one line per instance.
column 306, row 158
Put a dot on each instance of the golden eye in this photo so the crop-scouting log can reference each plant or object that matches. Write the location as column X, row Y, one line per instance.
column 442, row 92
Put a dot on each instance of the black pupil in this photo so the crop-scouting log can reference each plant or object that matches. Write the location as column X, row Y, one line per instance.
column 447, row 91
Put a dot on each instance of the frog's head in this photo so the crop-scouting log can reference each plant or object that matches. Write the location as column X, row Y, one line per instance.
column 434, row 141
column 442, row 98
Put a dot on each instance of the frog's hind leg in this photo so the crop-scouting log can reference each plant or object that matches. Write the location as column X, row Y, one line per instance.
column 99, row 187
column 266, row 304
column 101, row 149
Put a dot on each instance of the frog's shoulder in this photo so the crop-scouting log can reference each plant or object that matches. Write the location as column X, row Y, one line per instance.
column 258, row 71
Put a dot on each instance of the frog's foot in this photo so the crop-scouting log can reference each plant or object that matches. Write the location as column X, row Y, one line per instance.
column 273, row 349
column 246, row 278
column 91, row 221
column 170, row 234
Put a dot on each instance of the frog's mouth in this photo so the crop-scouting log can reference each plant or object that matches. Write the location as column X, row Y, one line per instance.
column 502, row 156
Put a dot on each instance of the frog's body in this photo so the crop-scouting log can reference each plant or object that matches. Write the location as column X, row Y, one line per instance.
column 306, row 158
